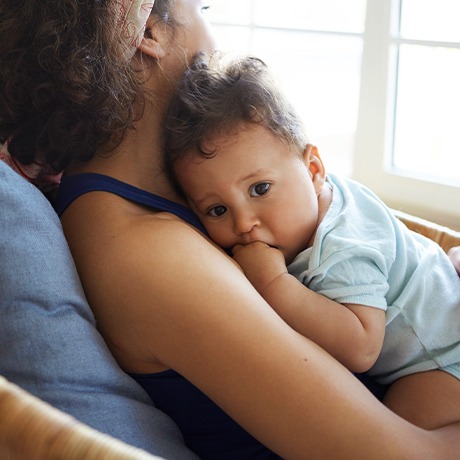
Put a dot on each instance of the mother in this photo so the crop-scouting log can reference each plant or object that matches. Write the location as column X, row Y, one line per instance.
column 86, row 91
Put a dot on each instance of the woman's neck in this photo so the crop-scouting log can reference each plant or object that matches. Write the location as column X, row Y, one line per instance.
column 137, row 160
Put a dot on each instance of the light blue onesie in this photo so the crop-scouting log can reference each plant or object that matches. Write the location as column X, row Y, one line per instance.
column 363, row 255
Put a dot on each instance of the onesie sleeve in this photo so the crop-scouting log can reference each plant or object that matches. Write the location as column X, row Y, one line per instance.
column 352, row 259
column 356, row 275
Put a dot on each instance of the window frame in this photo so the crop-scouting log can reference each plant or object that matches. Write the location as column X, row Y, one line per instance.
column 372, row 164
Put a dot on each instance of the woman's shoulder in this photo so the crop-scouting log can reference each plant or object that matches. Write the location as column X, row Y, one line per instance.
column 167, row 235
column 139, row 269
column 145, row 240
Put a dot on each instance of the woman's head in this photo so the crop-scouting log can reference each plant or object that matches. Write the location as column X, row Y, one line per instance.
column 131, row 17
column 216, row 96
column 67, row 86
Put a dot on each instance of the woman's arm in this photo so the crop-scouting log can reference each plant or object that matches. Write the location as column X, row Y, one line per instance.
column 166, row 297
column 353, row 334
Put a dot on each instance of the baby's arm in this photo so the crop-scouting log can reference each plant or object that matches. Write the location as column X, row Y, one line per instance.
column 353, row 334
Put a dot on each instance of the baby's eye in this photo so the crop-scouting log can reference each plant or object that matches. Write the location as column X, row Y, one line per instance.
column 217, row 211
column 259, row 189
column 204, row 8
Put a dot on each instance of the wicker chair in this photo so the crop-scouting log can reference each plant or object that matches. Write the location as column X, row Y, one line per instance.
column 444, row 236
column 31, row 429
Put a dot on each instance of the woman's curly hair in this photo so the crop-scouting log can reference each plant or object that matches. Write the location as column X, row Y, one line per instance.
column 65, row 93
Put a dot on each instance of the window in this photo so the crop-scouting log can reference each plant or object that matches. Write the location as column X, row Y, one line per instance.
column 315, row 56
column 407, row 148
column 376, row 82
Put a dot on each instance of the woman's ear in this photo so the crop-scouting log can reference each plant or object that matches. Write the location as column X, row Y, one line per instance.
column 153, row 41
column 315, row 166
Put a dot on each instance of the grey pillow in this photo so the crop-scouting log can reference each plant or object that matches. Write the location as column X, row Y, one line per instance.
column 48, row 341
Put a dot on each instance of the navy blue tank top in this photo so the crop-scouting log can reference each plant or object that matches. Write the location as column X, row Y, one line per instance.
column 206, row 428
column 72, row 187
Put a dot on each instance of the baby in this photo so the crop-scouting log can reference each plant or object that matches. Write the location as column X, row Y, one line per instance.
column 327, row 255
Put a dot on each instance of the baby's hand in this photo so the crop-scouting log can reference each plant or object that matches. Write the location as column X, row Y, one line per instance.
column 260, row 262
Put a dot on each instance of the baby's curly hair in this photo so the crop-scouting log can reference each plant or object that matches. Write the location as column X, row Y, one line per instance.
column 65, row 93
column 214, row 97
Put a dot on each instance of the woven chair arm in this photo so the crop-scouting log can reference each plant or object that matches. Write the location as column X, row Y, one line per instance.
column 34, row 430
column 444, row 236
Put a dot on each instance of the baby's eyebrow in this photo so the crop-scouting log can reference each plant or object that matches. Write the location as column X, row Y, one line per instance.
column 199, row 201
column 258, row 172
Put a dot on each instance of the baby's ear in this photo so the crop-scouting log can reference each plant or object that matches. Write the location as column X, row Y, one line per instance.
column 154, row 39
column 315, row 166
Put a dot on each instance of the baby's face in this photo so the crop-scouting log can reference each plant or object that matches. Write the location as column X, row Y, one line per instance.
column 254, row 189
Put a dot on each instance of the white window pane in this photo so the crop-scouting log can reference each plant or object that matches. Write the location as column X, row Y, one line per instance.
column 428, row 112
column 230, row 11
column 431, row 20
column 320, row 75
column 233, row 39
column 329, row 15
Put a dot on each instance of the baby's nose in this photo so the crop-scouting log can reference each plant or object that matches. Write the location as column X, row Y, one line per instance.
column 245, row 222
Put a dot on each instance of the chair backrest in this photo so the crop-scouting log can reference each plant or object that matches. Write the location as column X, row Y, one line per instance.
column 444, row 236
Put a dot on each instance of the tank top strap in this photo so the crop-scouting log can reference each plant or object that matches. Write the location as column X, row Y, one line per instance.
column 72, row 187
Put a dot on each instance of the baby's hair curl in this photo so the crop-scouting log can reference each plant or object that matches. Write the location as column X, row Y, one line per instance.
column 215, row 96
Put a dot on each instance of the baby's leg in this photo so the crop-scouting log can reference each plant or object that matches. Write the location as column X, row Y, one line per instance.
column 427, row 399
